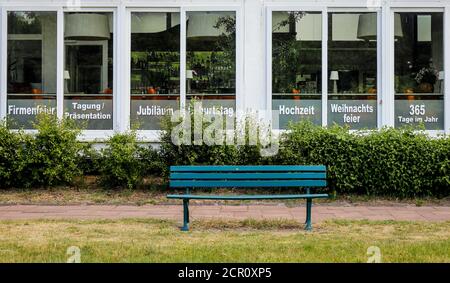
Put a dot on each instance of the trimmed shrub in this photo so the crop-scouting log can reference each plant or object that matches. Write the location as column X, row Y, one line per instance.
column 152, row 163
column 50, row 157
column 203, row 154
column 10, row 147
column 120, row 164
column 334, row 147
column 90, row 159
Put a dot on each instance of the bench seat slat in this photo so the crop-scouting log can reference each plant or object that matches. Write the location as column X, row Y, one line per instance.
column 246, row 184
column 247, row 197
column 230, row 168
column 245, row 176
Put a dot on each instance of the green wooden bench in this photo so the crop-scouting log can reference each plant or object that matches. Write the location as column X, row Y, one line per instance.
column 190, row 177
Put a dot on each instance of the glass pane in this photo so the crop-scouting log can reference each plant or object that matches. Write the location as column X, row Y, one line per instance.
column 419, row 70
column 155, row 67
column 297, row 67
column 352, row 70
column 211, row 60
column 88, row 73
column 31, row 68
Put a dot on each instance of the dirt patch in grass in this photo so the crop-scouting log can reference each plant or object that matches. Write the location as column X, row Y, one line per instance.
column 248, row 224
column 154, row 191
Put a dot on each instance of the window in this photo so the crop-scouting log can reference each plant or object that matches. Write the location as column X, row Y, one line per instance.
column 211, row 61
column 31, row 67
column 297, row 66
column 352, row 70
column 155, row 67
column 419, row 69
column 88, row 73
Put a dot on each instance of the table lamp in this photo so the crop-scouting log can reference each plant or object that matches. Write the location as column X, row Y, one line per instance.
column 66, row 78
column 189, row 77
column 334, row 76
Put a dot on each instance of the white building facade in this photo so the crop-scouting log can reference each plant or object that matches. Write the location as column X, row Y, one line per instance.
column 115, row 65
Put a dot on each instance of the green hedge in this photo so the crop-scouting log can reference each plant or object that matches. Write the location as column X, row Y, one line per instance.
column 54, row 156
column 392, row 162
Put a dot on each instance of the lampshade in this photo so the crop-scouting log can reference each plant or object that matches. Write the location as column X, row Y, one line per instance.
column 202, row 25
column 189, row 74
column 66, row 75
column 84, row 26
column 334, row 76
column 367, row 26
column 148, row 22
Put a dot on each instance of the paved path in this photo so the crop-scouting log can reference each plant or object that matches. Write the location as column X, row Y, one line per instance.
column 320, row 213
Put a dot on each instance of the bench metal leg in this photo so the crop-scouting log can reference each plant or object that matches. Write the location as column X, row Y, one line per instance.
column 308, row 191
column 308, row 226
column 185, row 215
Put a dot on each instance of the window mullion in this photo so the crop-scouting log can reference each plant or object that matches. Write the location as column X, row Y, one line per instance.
column 324, row 67
column 3, row 64
column 182, row 58
column 60, row 64
column 446, row 70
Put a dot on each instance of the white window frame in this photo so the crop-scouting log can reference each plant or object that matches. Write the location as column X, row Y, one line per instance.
column 154, row 135
column 2, row 71
column 4, row 54
column 324, row 10
column 380, row 108
column 447, row 69
column 324, row 42
column 122, row 34
column 91, row 135
column 146, row 135
column 418, row 7
column 121, row 99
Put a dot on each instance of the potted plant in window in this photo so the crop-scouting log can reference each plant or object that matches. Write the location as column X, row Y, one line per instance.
column 426, row 78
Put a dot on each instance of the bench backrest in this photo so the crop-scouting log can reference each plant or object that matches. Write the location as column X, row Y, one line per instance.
column 277, row 176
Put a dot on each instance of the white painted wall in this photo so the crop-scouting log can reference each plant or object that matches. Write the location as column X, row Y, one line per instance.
column 254, row 55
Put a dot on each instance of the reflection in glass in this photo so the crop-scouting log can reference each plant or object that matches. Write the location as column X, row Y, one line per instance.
column 88, row 73
column 31, row 66
column 352, row 70
column 297, row 66
column 155, row 67
column 419, row 70
column 211, row 60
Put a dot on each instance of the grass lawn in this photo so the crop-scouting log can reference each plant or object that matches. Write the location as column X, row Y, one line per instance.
column 222, row 241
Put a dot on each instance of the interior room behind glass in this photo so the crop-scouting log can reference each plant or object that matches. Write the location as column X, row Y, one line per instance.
column 31, row 66
column 211, row 53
